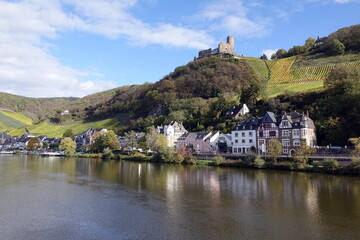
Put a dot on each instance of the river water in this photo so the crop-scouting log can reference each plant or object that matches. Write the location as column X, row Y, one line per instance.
column 65, row 198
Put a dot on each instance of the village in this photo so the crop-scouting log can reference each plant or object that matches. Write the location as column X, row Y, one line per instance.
column 250, row 136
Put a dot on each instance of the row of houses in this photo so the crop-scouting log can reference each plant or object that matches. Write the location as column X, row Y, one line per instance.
column 10, row 142
column 249, row 135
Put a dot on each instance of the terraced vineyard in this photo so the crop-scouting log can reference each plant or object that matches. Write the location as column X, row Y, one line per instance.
column 45, row 128
column 12, row 120
column 259, row 67
column 281, row 71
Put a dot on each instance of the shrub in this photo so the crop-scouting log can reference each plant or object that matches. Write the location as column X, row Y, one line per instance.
column 259, row 162
column 107, row 153
column 218, row 160
column 252, row 160
column 190, row 159
column 330, row 164
column 138, row 157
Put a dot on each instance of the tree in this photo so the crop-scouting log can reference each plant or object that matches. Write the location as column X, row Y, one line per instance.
column 343, row 79
column 68, row 133
column 303, row 153
column 309, row 43
column 105, row 140
column 264, row 57
column 355, row 154
column 33, row 143
column 155, row 141
column 131, row 140
column 335, row 47
column 281, row 53
column 67, row 145
column 274, row 149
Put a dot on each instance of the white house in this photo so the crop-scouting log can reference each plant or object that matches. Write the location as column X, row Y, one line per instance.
column 172, row 131
column 244, row 136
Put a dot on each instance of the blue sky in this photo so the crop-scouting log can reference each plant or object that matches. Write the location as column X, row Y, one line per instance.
column 53, row 48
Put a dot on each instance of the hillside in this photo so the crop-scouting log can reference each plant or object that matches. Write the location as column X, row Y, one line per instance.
column 197, row 94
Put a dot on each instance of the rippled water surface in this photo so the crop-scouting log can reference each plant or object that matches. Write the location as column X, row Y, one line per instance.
column 65, row 198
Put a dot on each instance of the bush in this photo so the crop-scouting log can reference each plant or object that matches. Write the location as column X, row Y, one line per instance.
column 138, row 157
column 190, row 159
column 259, row 162
column 330, row 164
column 218, row 160
column 107, row 153
column 253, row 160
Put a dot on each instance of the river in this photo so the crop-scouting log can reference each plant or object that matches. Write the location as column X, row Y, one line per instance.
column 66, row 198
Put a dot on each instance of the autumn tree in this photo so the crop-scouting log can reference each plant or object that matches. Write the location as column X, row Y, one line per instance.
column 131, row 140
column 67, row 145
column 155, row 141
column 105, row 140
column 68, row 133
column 33, row 144
column 355, row 154
column 303, row 153
column 274, row 149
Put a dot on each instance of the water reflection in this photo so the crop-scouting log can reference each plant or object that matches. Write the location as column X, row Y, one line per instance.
column 189, row 202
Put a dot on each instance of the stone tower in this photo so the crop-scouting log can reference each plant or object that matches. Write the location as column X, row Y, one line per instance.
column 228, row 47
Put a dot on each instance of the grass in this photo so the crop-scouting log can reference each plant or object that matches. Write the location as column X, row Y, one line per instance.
column 277, row 89
column 50, row 130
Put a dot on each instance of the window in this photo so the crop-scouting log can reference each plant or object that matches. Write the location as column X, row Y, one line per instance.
column 235, row 150
column 250, row 141
column 296, row 133
column 286, row 142
column 285, row 123
column 261, row 134
column 272, row 133
column 243, row 141
column 236, row 134
column 285, row 133
column 250, row 134
column 304, row 132
column 285, row 151
column 261, row 142
column 236, row 141
column 243, row 134
column 296, row 142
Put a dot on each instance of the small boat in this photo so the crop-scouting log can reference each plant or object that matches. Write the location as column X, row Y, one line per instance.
column 6, row 152
column 48, row 154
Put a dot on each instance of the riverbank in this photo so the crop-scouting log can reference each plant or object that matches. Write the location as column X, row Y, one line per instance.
column 328, row 166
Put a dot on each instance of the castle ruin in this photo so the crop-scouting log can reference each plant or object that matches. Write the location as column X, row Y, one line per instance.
column 223, row 48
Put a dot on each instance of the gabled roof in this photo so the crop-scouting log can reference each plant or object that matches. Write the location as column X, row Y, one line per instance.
column 269, row 117
column 248, row 124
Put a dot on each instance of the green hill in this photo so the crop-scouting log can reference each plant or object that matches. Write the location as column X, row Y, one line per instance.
column 197, row 94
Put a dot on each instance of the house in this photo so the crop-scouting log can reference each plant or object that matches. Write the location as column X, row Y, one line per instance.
column 244, row 137
column 267, row 129
column 172, row 131
column 223, row 143
column 290, row 129
column 295, row 128
column 237, row 111
column 186, row 140
column 85, row 139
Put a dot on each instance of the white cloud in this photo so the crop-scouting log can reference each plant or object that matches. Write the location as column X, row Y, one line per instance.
column 26, row 68
column 233, row 17
column 269, row 52
column 342, row 1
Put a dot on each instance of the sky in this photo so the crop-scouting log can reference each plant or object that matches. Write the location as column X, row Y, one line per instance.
column 63, row 48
